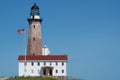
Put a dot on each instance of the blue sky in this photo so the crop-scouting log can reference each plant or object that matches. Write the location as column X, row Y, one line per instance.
column 87, row 30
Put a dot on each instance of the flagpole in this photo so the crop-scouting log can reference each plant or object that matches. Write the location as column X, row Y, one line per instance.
column 25, row 51
column 22, row 31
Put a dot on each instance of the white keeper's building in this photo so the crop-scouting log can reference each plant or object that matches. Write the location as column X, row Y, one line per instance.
column 47, row 65
column 39, row 61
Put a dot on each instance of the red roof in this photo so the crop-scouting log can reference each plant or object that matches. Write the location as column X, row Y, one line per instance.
column 42, row 57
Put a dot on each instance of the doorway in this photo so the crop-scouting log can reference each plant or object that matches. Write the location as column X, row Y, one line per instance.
column 50, row 72
column 44, row 72
column 47, row 71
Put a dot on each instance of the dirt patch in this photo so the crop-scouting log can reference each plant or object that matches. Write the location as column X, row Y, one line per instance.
column 3, row 78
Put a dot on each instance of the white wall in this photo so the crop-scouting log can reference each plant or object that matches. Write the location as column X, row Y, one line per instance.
column 35, row 17
column 36, row 70
column 45, row 50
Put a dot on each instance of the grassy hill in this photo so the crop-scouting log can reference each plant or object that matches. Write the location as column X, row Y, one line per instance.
column 32, row 78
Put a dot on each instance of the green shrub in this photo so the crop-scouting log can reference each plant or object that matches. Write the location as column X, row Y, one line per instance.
column 32, row 78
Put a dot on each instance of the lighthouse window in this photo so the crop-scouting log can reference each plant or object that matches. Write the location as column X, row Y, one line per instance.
column 34, row 26
column 33, row 39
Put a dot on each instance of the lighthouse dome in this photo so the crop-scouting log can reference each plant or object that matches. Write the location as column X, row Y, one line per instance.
column 34, row 10
column 34, row 7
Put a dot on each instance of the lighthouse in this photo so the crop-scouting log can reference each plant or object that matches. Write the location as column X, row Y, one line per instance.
column 39, row 61
column 34, row 46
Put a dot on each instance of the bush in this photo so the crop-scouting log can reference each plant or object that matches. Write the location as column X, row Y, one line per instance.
column 32, row 78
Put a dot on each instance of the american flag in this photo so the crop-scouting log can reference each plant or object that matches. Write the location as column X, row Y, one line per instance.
column 21, row 31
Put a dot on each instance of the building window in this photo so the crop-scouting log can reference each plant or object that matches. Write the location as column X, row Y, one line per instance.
column 25, row 63
column 44, row 63
column 56, row 63
column 56, row 71
column 50, row 63
column 25, row 70
column 38, row 70
column 33, row 39
column 62, row 63
column 38, row 63
column 32, row 64
column 62, row 71
column 32, row 71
